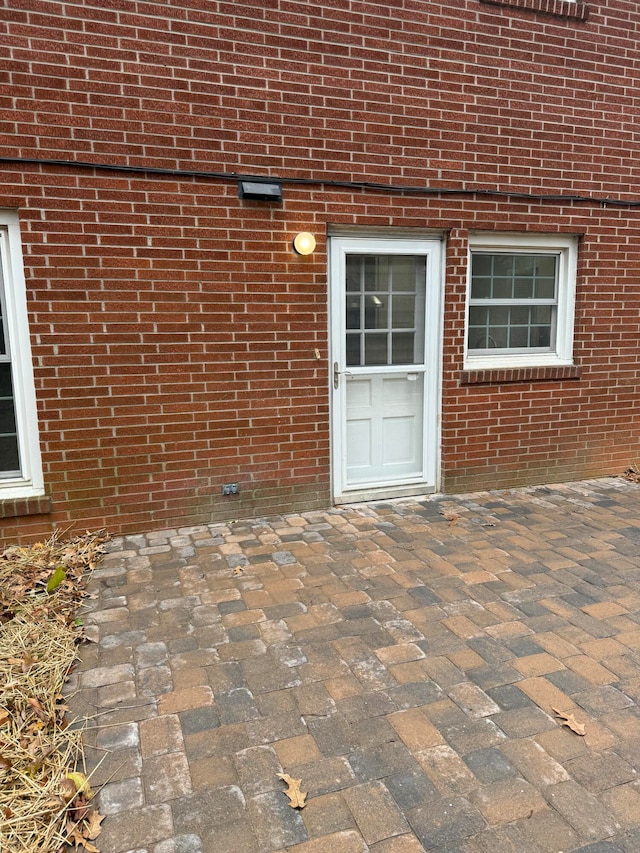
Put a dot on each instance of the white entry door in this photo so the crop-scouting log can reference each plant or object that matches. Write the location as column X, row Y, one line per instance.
column 386, row 306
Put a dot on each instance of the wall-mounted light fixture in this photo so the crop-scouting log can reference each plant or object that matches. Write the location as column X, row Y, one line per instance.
column 304, row 243
column 260, row 190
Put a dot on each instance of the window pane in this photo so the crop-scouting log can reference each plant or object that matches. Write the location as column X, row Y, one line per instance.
column 523, row 288
column 478, row 315
column 541, row 314
column 503, row 265
column 540, row 336
column 502, row 288
column 545, row 266
column 9, row 459
column 481, row 288
column 481, row 265
column 375, row 349
column 519, row 336
column 545, row 288
column 498, row 337
column 3, row 346
column 402, row 350
column 520, row 316
column 524, row 265
column 7, row 417
column 477, row 338
column 499, row 316
column 375, row 312
column 6, row 388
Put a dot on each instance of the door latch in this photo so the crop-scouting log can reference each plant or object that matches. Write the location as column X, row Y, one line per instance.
column 337, row 373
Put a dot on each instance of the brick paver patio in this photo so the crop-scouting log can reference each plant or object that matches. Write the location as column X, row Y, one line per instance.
column 401, row 659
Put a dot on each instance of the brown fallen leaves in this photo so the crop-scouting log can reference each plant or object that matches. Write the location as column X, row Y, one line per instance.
column 297, row 798
column 570, row 722
column 632, row 474
column 44, row 804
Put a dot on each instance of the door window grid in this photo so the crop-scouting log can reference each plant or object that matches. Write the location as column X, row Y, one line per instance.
column 383, row 300
column 513, row 302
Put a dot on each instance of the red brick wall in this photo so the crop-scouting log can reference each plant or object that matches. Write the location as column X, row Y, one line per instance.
column 174, row 332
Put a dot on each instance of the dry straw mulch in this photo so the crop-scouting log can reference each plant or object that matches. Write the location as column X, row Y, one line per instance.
column 45, row 803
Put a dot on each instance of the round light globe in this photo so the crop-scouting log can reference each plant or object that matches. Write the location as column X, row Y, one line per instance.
column 304, row 243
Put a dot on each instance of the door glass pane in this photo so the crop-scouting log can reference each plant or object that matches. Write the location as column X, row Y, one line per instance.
column 376, row 273
column 402, row 348
column 376, row 311
column 404, row 268
column 375, row 349
column 353, row 311
column 354, row 267
column 403, row 313
column 353, row 350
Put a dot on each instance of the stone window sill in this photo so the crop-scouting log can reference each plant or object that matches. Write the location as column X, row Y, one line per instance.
column 17, row 507
column 558, row 8
column 519, row 374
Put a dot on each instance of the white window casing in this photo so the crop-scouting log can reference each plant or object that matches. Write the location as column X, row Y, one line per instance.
column 557, row 250
column 26, row 480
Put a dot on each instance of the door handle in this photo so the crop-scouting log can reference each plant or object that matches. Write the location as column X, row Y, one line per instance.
column 337, row 373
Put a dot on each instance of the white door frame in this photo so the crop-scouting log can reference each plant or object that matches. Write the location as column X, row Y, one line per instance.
column 432, row 248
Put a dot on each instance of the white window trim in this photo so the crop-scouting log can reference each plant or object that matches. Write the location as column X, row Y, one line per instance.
column 566, row 247
column 30, row 483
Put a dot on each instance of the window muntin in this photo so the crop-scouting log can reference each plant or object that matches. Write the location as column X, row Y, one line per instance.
column 520, row 300
column 20, row 465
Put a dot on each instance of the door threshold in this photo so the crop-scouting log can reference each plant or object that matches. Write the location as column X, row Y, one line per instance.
column 382, row 493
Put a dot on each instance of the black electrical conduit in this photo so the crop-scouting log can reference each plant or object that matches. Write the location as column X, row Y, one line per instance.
column 323, row 182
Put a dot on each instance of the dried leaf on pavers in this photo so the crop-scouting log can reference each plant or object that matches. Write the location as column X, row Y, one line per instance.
column 237, row 570
column 450, row 515
column 94, row 820
column 570, row 721
column 296, row 796
column 78, row 837
column 632, row 474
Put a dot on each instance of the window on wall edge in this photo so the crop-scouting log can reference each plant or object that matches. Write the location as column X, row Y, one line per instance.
column 520, row 301
column 20, row 463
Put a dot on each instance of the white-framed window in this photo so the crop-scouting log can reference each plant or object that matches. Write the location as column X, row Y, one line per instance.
column 20, row 463
column 520, row 300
